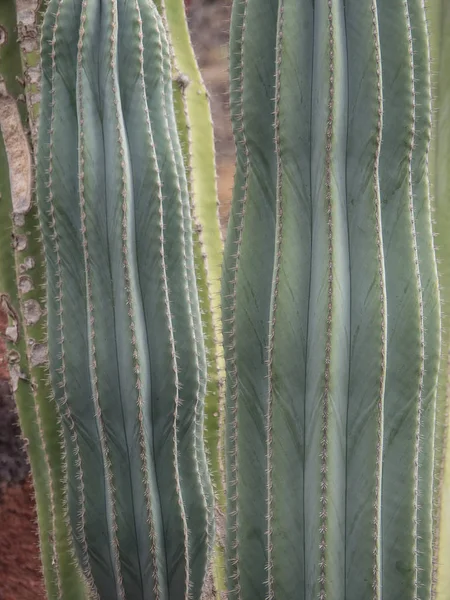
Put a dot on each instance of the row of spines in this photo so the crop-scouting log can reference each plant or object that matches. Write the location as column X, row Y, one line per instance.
column 330, row 370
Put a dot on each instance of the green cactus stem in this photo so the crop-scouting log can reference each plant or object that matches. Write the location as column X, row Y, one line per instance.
column 247, row 279
column 197, row 138
column 439, row 21
column 21, row 289
column 331, row 408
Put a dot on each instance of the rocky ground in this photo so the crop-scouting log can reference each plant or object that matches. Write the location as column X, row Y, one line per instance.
column 20, row 577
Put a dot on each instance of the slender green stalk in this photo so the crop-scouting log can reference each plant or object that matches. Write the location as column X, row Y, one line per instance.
column 22, row 282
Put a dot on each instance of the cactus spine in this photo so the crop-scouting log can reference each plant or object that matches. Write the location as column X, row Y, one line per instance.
column 125, row 346
column 331, row 409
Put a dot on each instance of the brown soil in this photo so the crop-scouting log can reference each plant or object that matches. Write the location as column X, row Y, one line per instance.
column 20, row 570
column 20, row 575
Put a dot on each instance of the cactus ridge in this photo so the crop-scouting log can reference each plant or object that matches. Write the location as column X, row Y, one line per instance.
column 200, row 458
column 193, row 119
column 127, row 362
column 430, row 292
column 195, row 319
column 360, row 538
column 187, row 321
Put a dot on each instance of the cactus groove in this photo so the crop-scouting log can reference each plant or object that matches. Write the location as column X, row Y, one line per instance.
column 331, row 304
column 127, row 361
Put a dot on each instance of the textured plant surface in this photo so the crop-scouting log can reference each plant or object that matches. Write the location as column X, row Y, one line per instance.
column 116, row 437
column 331, row 308
column 127, row 359
column 196, row 135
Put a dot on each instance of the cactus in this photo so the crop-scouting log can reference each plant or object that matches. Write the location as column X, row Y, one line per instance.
column 116, row 442
column 331, row 311
column 196, row 136
column 336, row 412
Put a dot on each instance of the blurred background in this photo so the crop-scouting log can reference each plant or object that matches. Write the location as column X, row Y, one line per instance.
column 20, row 577
column 209, row 23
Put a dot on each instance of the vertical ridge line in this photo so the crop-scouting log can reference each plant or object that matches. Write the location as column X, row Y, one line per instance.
column 94, row 380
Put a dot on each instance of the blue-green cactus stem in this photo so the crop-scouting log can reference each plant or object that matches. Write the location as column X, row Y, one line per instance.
column 329, row 310
column 126, row 358
column 61, row 223
column 186, row 315
column 246, row 284
column 354, row 324
column 193, row 117
column 195, row 322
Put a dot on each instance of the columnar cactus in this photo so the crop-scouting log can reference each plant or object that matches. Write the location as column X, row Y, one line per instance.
column 331, row 309
column 195, row 129
column 336, row 414
column 126, row 353
column 22, row 298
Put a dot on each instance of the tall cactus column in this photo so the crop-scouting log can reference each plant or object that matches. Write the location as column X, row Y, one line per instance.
column 412, row 301
column 341, row 386
column 22, row 277
column 439, row 22
column 123, row 311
